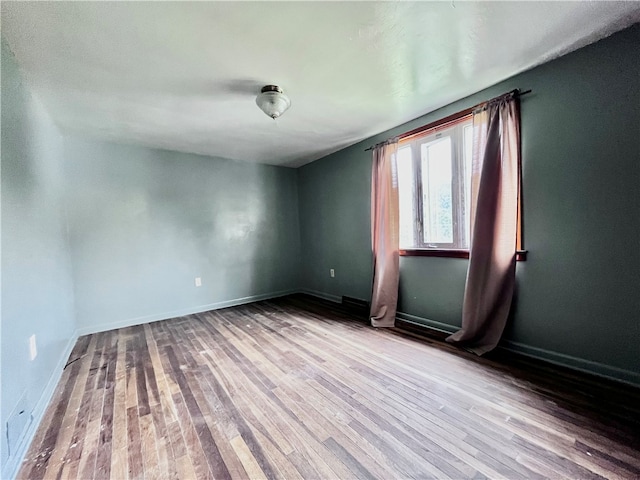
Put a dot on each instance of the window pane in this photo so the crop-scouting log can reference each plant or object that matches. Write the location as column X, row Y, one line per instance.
column 436, row 191
column 468, row 153
column 404, row 167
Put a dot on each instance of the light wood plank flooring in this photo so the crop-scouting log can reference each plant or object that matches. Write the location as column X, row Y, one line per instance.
column 297, row 388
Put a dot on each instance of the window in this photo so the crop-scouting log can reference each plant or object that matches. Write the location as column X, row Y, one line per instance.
column 434, row 185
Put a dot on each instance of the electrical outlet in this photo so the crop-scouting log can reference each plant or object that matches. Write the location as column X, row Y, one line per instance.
column 33, row 348
column 332, row 272
column 198, row 282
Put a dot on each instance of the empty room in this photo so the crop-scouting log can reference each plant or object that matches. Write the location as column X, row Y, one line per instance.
column 320, row 240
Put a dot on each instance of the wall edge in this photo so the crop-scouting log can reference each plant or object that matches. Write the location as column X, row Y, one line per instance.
column 323, row 295
column 561, row 359
column 130, row 322
column 12, row 467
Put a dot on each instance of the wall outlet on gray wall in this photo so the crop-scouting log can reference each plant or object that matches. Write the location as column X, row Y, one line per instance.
column 33, row 348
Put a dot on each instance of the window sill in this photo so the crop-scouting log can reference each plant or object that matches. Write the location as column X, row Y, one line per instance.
column 521, row 255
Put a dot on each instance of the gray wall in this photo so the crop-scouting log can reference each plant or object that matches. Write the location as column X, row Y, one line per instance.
column 37, row 291
column 144, row 223
column 578, row 294
column 97, row 235
column 121, row 231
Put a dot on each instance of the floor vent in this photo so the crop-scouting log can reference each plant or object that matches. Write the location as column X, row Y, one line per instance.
column 17, row 424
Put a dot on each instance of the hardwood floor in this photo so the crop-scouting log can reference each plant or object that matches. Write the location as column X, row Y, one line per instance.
column 296, row 388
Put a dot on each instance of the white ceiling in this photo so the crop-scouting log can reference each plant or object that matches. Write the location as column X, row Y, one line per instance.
column 184, row 76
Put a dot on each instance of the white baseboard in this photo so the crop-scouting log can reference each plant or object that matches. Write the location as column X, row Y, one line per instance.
column 130, row 322
column 14, row 462
column 324, row 296
column 561, row 359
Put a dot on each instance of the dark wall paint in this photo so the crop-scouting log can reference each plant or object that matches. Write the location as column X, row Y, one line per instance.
column 334, row 208
column 145, row 223
column 126, row 229
column 578, row 293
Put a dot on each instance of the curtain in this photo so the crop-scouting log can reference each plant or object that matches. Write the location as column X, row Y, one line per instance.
column 492, row 254
column 385, row 230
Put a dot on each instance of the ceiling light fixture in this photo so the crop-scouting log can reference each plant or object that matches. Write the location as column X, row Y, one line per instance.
column 273, row 101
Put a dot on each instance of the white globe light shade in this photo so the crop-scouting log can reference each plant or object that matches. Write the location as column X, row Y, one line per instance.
column 273, row 101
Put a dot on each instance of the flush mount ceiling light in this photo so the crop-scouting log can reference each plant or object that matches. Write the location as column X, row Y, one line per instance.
column 273, row 101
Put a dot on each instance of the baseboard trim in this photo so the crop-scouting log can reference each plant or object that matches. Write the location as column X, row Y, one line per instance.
column 575, row 363
column 14, row 462
column 130, row 322
column 425, row 322
column 324, row 296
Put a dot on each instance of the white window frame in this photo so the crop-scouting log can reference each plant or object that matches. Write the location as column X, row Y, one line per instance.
column 460, row 188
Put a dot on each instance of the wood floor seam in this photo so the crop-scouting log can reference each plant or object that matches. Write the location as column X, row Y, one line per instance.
column 299, row 388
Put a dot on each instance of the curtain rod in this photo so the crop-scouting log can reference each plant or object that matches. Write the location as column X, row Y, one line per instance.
column 448, row 119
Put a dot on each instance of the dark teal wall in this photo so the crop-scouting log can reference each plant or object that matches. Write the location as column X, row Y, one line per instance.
column 95, row 235
column 578, row 293
column 143, row 223
column 334, row 206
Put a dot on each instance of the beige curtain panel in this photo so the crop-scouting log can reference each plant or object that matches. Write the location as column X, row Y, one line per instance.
column 385, row 231
column 492, row 256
